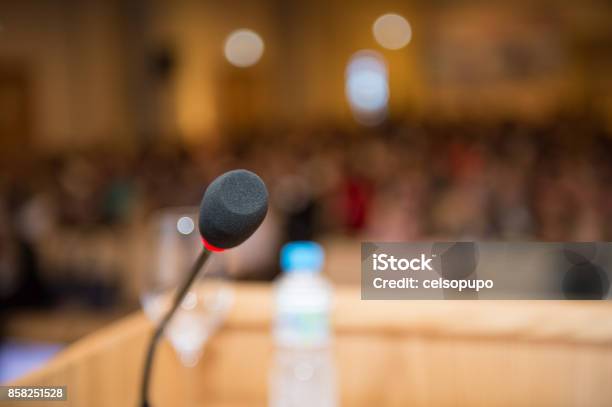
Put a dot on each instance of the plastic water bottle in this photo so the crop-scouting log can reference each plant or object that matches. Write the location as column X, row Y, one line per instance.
column 303, row 373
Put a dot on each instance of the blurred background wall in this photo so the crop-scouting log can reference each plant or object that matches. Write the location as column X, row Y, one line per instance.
column 89, row 72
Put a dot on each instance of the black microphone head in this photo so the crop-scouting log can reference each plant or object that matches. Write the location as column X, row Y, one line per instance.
column 233, row 207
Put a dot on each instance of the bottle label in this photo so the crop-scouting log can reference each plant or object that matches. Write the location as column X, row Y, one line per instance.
column 302, row 329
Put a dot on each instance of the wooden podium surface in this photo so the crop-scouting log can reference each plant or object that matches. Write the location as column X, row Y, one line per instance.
column 387, row 353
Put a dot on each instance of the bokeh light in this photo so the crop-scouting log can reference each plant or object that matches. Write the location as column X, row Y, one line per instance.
column 392, row 31
column 243, row 48
column 367, row 87
column 185, row 225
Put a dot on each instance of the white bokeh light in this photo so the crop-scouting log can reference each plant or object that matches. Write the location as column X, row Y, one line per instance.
column 185, row 225
column 392, row 31
column 190, row 301
column 367, row 87
column 243, row 48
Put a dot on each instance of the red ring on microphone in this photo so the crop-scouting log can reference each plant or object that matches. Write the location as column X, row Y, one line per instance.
column 210, row 247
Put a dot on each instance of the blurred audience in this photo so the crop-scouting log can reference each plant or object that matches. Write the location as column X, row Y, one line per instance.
column 429, row 180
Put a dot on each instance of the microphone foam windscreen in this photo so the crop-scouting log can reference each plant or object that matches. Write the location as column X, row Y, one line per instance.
column 233, row 207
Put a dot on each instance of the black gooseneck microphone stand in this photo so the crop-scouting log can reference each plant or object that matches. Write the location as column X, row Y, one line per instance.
column 159, row 330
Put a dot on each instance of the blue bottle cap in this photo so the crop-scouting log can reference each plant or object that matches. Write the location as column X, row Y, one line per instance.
column 302, row 256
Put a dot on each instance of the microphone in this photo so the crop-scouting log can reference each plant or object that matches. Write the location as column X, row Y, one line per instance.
column 233, row 207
